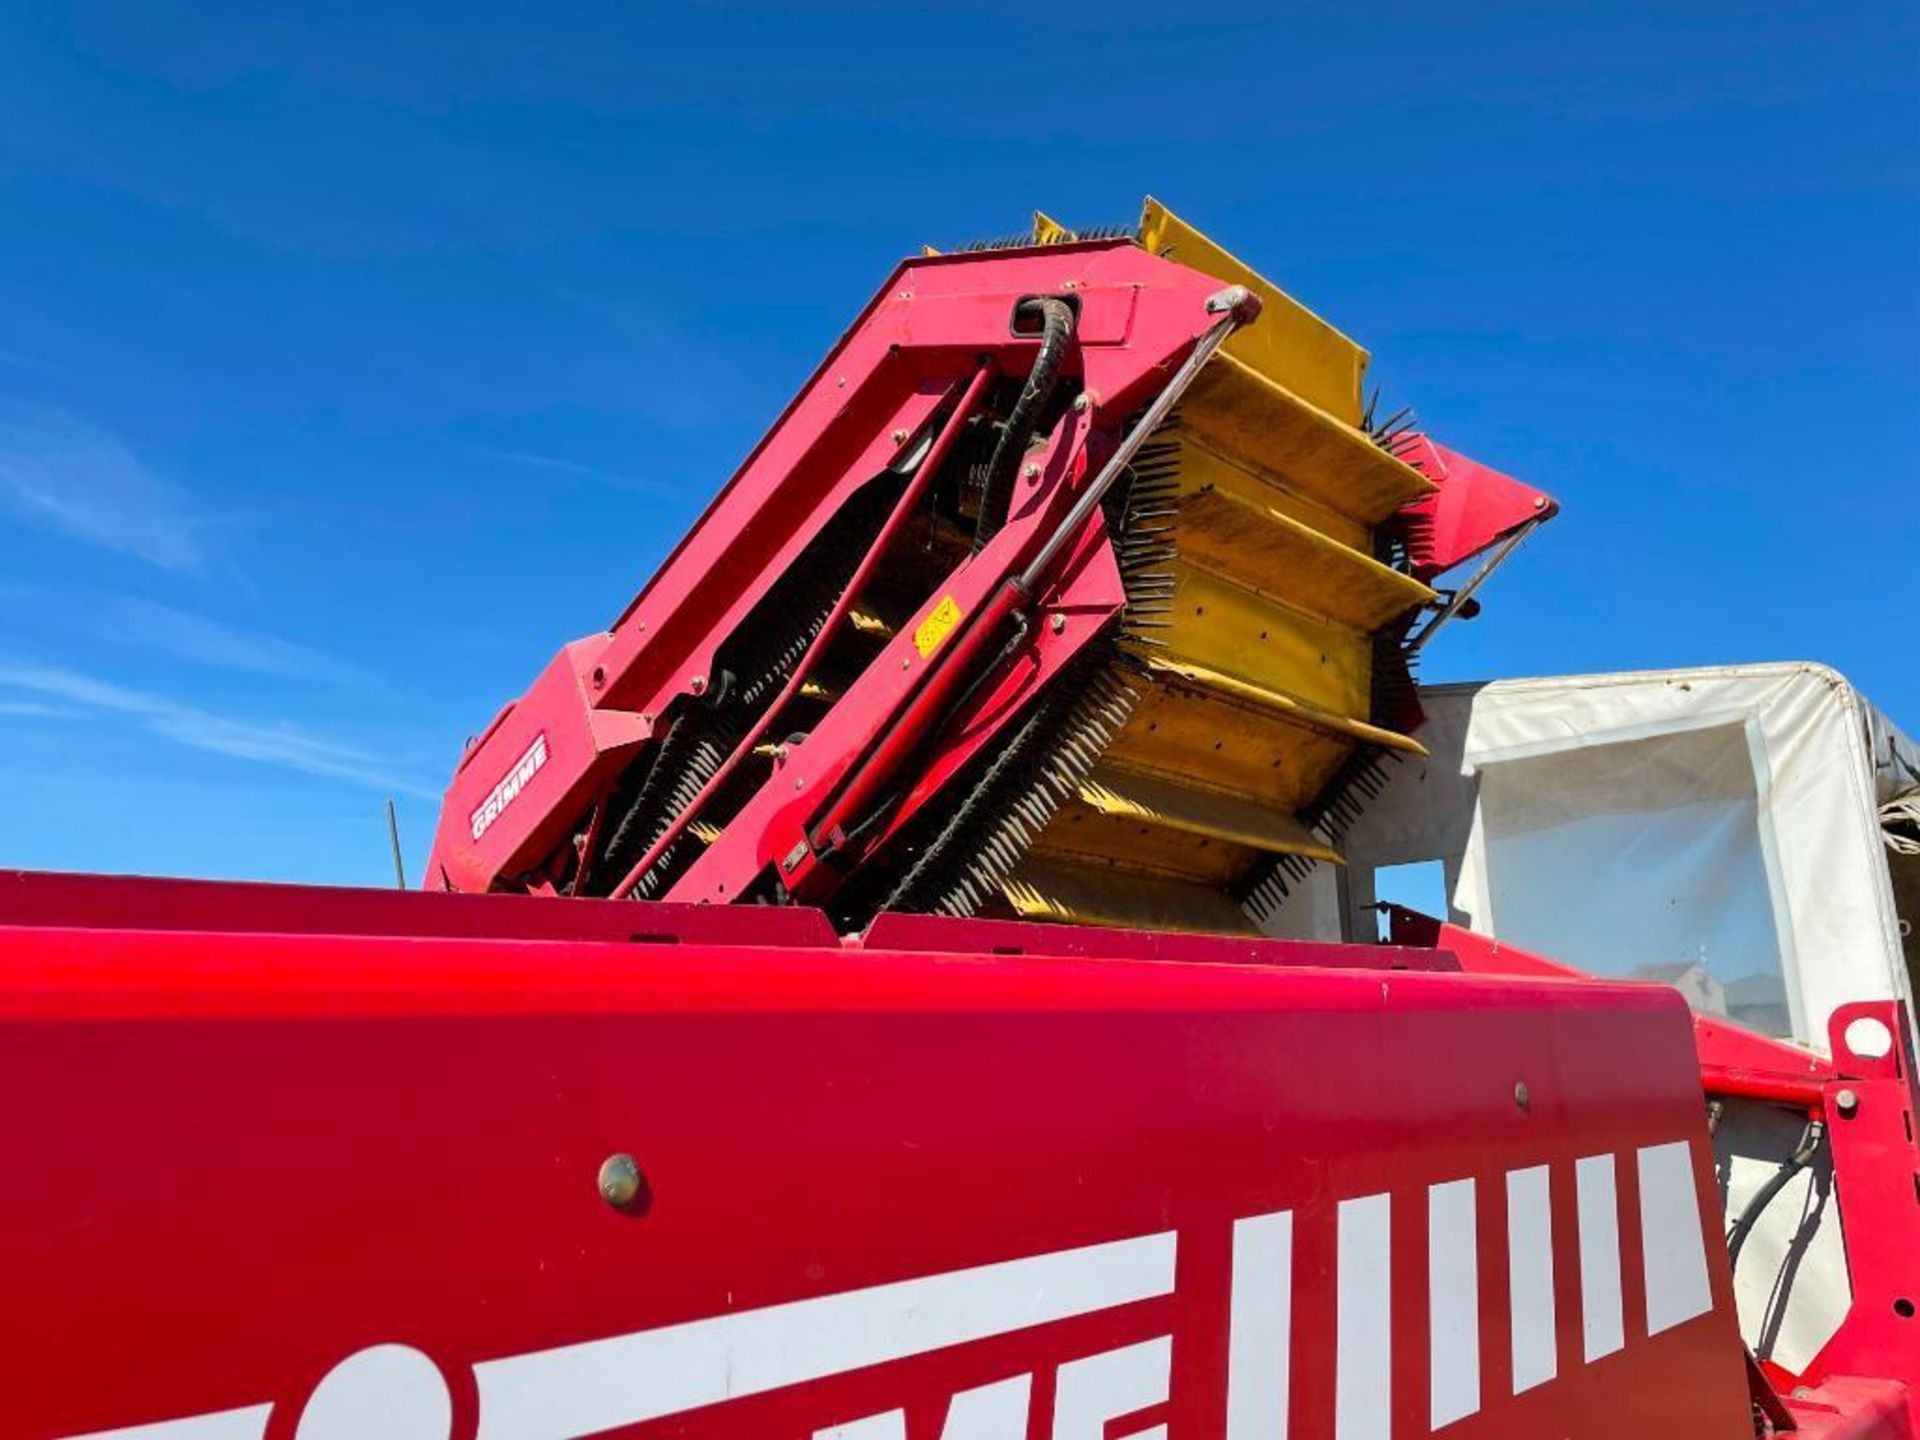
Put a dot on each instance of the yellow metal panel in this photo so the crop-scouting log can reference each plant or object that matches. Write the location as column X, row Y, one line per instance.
column 1229, row 630
column 1048, row 231
column 1237, row 411
column 1313, row 716
column 1289, row 344
column 1215, row 814
column 1202, row 469
column 1269, row 551
column 1042, row 891
column 1082, row 836
column 1186, row 733
column 1256, row 663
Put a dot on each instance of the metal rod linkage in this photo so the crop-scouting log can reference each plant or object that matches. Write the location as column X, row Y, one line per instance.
column 1457, row 601
column 908, row 501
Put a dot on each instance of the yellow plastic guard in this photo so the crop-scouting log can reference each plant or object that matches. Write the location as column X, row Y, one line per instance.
column 1085, row 896
column 1048, row 231
column 1213, row 814
column 1290, row 345
column 1252, row 638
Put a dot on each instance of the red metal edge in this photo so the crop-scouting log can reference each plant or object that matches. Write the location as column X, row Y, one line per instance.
column 1472, row 508
column 45, row 900
column 923, row 933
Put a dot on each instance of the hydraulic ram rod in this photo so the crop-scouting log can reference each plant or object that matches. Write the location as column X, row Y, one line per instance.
column 1235, row 306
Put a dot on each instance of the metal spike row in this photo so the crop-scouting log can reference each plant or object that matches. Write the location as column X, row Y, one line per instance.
column 1022, row 241
column 1360, row 778
column 1398, row 435
column 1043, row 763
column 1096, row 232
column 689, row 755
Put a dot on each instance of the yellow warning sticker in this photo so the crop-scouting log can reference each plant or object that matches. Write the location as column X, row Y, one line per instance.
column 936, row 627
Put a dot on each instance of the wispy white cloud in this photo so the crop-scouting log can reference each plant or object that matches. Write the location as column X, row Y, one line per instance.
column 287, row 746
column 36, row 710
column 564, row 466
column 184, row 635
column 66, row 474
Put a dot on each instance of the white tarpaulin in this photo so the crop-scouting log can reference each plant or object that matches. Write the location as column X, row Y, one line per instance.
column 1714, row 828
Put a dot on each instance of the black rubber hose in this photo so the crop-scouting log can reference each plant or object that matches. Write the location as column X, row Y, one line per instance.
column 1056, row 329
column 1763, row 1197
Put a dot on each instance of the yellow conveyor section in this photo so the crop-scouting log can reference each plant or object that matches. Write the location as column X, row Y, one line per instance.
column 1254, row 656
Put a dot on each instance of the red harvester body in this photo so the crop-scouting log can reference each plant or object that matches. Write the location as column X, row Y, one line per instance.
column 299, row 1164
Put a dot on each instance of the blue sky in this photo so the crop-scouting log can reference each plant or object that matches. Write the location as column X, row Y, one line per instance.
column 354, row 357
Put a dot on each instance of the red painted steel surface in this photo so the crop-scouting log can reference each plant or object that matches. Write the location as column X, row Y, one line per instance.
column 1473, row 508
column 920, row 340
column 1869, row 1107
column 239, row 1159
column 139, row 902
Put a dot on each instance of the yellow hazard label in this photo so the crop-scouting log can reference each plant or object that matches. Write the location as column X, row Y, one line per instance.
column 934, row 630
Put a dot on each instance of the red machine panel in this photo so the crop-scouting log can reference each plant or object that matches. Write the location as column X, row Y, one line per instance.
column 323, row 1185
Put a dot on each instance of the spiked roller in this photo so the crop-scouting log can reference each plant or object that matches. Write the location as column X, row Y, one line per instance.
column 1254, row 609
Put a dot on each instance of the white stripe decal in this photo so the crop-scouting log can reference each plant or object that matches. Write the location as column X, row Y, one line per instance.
column 1088, row 1393
column 1453, row 1302
column 989, row 1412
column 1363, row 1321
column 1530, row 1277
column 1672, row 1251
column 605, row 1384
column 1260, row 1327
column 249, row 1423
column 1599, row 1209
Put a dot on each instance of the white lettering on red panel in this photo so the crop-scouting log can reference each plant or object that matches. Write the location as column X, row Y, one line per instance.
column 510, row 786
column 393, row 1392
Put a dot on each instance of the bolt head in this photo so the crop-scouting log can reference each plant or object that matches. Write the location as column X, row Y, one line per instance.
column 1057, row 624
column 1080, row 403
column 899, row 437
column 620, row 1182
column 1522, row 1096
column 698, row 685
column 1846, row 1102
